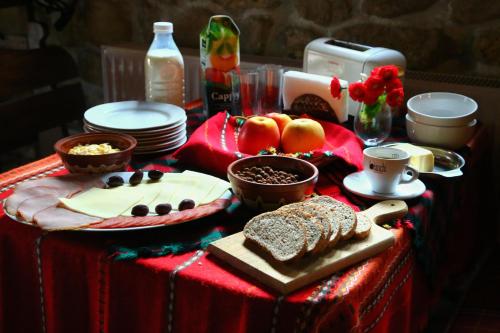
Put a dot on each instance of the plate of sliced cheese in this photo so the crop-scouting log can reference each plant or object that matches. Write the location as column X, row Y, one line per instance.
column 120, row 201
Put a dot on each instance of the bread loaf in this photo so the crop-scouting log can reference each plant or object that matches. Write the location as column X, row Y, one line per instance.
column 283, row 236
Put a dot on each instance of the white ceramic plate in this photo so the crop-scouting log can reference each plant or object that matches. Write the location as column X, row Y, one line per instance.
column 150, row 132
column 162, row 150
column 358, row 184
column 157, row 138
column 161, row 145
column 134, row 115
column 125, row 175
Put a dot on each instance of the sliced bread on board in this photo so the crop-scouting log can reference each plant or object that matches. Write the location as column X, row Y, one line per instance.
column 314, row 229
column 283, row 236
column 316, row 223
column 363, row 226
column 345, row 216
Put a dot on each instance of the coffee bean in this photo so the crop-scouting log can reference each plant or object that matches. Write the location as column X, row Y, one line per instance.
column 163, row 209
column 140, row 210
column 155, row 174
column 115, row 181
column 136, row 178
column 267, row 175
column 186, row 204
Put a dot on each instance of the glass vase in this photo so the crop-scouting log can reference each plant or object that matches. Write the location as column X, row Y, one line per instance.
column 373, row 123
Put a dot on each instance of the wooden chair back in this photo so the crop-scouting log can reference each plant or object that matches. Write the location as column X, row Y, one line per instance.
column 39, row 90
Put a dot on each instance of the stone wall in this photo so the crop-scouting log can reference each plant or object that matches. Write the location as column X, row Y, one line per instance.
column 454, row 36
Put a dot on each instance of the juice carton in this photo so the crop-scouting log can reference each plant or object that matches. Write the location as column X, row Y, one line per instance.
column 219, row 55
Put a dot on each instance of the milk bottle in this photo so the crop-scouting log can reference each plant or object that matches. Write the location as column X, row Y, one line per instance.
column 164, row 68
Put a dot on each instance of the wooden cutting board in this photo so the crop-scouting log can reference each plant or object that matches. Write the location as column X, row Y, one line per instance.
column 286, row 278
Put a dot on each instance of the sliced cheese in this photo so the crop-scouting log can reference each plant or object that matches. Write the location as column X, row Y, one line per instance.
column 212, row 187
column 165, row 196
column 105, row 203
column 420, row 158
column 150, row 192
column 216, row 192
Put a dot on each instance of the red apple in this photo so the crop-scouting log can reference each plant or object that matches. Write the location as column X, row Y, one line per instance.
column 281, row 119
column 258, row 133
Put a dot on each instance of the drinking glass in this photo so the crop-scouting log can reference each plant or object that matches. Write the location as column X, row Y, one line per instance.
column 245, row 89
column 270, row 88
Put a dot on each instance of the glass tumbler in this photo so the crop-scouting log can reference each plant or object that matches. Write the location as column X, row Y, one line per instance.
column 245, row 89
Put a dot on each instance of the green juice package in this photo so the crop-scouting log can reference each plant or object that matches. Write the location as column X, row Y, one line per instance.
column 219, row 56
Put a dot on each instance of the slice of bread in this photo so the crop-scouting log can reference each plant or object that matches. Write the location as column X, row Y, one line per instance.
column 316, row 222
column 314, row 229
column 333, row 221
column 345, row 216
column 283, row 236
column 363, row 226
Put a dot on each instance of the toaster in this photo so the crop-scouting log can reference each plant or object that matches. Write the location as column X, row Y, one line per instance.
column 347, row 61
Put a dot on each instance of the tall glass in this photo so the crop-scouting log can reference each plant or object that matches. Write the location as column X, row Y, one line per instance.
column 271, row 88
column 245, row 89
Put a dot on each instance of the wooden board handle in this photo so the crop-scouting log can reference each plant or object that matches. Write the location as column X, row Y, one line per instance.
column 386, row 210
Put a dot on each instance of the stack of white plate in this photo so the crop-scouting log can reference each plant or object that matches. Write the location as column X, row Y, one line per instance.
column 157, row 127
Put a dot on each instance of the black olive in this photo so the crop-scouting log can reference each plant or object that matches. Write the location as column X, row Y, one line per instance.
column 115, row 181
column 186, row 204
column 155, row 174
column 140, row 210
column 136, row 178
column 163, row 209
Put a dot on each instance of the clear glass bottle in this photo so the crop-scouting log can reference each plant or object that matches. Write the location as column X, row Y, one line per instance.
column 164, row 67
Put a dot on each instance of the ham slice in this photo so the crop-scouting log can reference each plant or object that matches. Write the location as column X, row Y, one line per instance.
column 29, row 207
column 55, row 218
column 61, row 187
column 63, row 183
column 19, row 196
column 67, row 184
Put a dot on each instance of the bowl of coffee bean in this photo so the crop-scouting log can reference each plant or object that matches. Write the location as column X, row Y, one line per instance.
column 267, row 182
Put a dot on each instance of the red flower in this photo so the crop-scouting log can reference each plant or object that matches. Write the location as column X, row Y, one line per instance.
column 357, row 91
column 393, row 84
column 375, row 71
column 375, row 85
column 387, row 73
column 370, row 98
column 335, row 88
column 395, row 97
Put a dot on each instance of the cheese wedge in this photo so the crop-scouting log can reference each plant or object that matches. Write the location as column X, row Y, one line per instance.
column 105, row 203
column 420, row 158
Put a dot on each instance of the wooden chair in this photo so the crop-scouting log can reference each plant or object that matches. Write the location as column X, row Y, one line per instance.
column 39, row 90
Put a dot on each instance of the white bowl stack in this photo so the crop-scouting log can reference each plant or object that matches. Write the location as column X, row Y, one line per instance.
column 157, row 127
column 441, row 119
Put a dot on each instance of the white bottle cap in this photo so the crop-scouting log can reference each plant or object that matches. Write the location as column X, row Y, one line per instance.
column 163, row 27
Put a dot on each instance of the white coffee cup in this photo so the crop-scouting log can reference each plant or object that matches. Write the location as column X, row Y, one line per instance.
column 386, row 168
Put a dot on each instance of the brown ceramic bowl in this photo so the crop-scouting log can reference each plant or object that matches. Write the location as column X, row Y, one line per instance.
column 96, row 163
column 265, row 197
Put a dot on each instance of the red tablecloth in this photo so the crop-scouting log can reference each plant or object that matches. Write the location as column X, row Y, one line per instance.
column 67, row 281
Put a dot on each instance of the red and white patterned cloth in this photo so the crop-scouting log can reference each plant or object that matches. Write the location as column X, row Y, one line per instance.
column 66, row 281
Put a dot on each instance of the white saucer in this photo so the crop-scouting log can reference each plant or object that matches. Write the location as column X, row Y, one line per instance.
column 358, row 183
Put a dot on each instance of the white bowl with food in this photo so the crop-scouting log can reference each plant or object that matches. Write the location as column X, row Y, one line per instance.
column 442, row 109
column 452, row 137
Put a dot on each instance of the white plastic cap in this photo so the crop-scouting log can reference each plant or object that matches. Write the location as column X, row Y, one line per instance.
column 163, row 27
